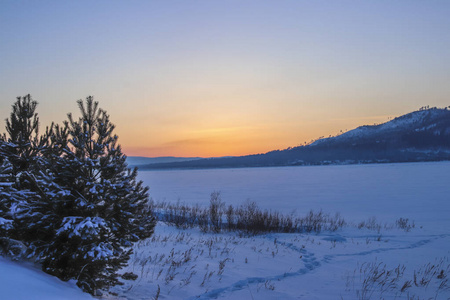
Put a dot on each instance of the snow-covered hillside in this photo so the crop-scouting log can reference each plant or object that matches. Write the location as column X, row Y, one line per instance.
column 415, row 121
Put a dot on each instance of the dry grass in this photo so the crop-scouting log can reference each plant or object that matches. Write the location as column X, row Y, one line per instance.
column 374, row 280
column 247, row 218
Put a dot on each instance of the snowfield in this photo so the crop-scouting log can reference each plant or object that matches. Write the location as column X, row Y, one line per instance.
column 395, row 245
column 187, row 264
column 376, row 256
column 418, row 191
column 23, row 281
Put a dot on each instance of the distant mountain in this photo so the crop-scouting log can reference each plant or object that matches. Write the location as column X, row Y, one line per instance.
column 410, row 128
column 134, row 161
column 422, row 135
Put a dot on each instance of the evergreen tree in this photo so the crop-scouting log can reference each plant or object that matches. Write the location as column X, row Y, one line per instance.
column 69, row 195
column 104, row 208
column 6, row 189
column 9, row 195
column 22, row 127
column 19, row 155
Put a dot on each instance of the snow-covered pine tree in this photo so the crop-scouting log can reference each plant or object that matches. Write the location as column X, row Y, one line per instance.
column 6, row 183
column 26, row 217
column 106, row 210
column 8, row 195
column 22, row 127
column 19, row 155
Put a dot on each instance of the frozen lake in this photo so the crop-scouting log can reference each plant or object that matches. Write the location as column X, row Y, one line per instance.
column 326, row 265
column 418, row 191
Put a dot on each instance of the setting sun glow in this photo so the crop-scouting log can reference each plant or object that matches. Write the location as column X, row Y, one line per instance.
column 222, row 78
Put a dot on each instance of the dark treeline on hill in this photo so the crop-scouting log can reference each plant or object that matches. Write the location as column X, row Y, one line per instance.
column 423, row 135
column 68, row 200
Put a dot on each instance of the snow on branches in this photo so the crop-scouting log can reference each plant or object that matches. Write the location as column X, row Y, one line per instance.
column 70, row 196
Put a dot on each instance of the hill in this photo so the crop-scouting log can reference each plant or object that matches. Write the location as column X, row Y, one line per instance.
column 422, row 135
column 141, row 160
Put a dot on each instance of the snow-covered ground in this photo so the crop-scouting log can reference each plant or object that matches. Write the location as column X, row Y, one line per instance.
column 371, row 258
column 23, row 281
column 187, row 264
column 377, row 261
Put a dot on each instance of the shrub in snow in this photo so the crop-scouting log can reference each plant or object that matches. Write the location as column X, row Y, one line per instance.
column 247, row 218
column 216, row 207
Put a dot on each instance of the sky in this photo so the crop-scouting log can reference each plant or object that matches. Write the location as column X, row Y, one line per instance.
column 218, row 78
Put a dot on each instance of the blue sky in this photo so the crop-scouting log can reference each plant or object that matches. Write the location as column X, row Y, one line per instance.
column 211, row 78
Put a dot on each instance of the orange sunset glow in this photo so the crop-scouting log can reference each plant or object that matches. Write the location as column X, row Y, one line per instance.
column 226, row 78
